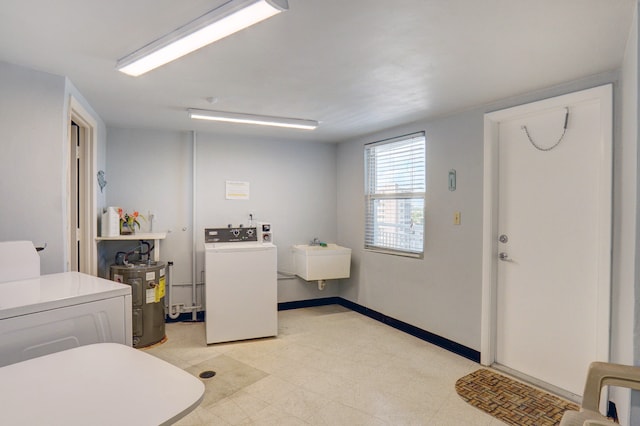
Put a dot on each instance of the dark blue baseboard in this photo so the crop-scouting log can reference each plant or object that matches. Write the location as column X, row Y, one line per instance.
column 285, row 306
column 427, row 336
column 186, row 317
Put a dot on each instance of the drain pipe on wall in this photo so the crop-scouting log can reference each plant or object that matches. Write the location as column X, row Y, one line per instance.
column 171, row 313
column 194, row 313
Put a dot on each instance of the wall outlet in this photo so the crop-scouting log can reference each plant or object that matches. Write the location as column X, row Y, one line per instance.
column 456, row 218
column 151, row 218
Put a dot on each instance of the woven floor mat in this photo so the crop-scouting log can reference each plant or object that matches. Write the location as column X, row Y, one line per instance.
column 513, row 402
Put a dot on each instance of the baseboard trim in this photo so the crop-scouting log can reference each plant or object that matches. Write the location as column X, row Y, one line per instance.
column 285, row 306
column 425, row 335
column 186, row 317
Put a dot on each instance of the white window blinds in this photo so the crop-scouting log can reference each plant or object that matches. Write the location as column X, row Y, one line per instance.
column 395, row 185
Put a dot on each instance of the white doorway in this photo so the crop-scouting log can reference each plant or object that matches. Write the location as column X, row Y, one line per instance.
column 547, row 238
column 77, row 181
column 81, row 194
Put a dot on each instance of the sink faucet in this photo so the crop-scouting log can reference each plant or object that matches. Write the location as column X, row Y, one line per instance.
column 314, row 242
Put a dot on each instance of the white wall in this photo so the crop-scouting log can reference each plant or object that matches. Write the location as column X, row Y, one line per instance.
column 150, row 171
column 437, row 293
column 292, row 185
column 34, row 138
column 627, row 332
column 442, row 292
column 32, row 172
column 626, row 164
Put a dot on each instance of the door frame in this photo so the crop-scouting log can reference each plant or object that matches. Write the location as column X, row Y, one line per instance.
column 88, row 212
column 490, row 230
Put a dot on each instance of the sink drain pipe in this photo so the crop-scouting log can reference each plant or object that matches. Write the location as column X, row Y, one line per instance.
column 321, row 284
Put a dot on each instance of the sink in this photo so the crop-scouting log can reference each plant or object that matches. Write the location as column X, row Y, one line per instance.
column 322, row 263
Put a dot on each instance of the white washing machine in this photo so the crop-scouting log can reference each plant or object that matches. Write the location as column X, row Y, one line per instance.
column 241, row 287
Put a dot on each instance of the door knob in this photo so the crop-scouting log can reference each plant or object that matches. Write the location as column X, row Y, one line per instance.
column 503, row 238
column 503, row 256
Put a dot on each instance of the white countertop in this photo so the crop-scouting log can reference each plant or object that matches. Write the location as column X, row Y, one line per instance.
column 136, row 236
column 155, row 236
column 100, row 384
column 55, row 291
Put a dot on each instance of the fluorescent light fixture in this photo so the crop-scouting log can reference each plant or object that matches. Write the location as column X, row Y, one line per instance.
column 263, row 120
column 225, row 20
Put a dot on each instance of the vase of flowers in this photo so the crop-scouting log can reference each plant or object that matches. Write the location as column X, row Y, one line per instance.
column 128, row 222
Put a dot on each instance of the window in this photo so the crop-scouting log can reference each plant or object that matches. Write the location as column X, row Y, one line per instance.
column 395, row 184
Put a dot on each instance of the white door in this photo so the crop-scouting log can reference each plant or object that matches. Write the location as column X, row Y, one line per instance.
column 552, row 237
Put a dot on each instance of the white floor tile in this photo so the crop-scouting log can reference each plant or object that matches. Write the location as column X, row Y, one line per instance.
column 328, row 366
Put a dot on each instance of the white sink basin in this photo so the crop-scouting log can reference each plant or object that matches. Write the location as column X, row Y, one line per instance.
column 322, row 263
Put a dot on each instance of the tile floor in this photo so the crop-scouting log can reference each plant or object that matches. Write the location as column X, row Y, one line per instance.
column 328, row 366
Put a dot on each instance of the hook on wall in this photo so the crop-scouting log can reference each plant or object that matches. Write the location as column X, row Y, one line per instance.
column 564, row 131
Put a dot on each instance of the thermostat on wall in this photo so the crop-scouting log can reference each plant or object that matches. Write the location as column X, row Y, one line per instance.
column 452, row 180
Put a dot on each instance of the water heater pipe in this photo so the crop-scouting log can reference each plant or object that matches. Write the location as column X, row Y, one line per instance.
column 170, row 313
column 194, row 313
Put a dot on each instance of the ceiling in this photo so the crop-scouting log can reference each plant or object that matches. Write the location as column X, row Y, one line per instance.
column 357, row 66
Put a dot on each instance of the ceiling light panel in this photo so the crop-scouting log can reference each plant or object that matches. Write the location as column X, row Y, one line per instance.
column 221, row 22
column 263, row 120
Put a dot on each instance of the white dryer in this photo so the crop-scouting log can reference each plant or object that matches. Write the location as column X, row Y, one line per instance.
column 52, row 313
column 241, row 288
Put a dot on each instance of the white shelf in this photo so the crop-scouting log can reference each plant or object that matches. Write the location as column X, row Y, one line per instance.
column 155, row 236
column 138, row 236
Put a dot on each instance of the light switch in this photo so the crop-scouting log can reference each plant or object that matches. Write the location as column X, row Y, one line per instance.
column 456, row 218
